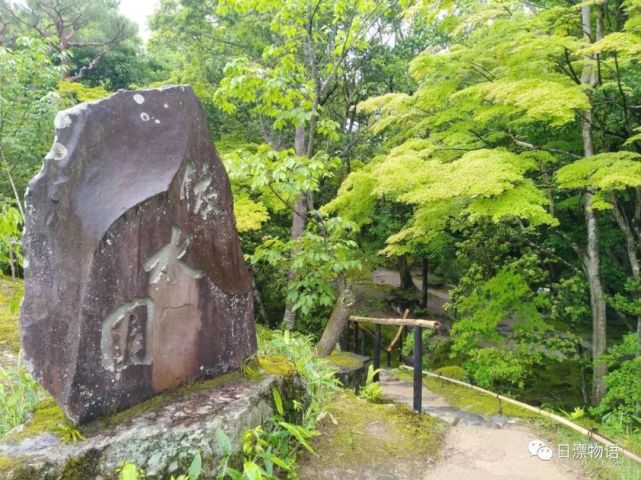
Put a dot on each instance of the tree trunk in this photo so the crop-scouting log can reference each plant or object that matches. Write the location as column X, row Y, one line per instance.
column 337, row 320
column 591, row 260
column 258, row 299
column 597, row 302
column 16, row 195
column 299, row 217
column 582, row 363
column 407, row 283
column 631, row 249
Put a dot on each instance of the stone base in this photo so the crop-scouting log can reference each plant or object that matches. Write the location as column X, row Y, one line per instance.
column 162, row 440
column 352, row 369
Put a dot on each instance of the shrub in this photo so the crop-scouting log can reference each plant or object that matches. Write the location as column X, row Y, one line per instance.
column 372, row 391
column 493, row 367
column 621, row 405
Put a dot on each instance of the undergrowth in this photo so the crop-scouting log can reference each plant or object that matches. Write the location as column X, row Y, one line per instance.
column 19, row 396
column 270, row 450
column 10, row 295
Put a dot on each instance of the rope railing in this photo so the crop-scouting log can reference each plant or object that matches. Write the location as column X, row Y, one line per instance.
column 592, row 434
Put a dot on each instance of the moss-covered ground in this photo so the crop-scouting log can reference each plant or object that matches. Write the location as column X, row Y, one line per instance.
column 467, row 399
column 46, row 417
column 359, row 436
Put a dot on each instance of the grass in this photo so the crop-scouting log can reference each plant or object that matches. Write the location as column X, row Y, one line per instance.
column 44, row 416
column 19, row 396
column 10, row 297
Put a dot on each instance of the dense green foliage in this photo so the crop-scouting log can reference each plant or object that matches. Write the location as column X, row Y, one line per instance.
column 500, row 141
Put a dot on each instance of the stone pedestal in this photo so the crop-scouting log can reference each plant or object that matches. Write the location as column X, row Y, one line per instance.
column 162, row 438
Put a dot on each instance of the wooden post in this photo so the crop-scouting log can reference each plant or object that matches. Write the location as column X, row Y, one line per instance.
column 355, row 337
column 400, row 350
column 418, row 369
column 377, row 351
column 363, row 344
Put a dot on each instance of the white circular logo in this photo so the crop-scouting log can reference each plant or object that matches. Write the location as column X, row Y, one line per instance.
column 544, row 453
column 534, row 446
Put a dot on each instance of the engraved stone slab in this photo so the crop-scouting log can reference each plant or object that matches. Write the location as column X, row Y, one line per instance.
column 135, row 282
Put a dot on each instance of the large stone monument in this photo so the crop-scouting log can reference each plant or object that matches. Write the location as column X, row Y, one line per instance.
column 135, row 282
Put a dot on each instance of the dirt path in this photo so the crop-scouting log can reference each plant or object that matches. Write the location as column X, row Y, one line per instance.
column 436, row 297
column 392, row 278
column 478, row 448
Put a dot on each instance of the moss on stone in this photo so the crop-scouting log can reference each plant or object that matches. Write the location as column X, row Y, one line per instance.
column 46, row 417
column 18, row 471
column 10, row 296
column 81, row 468
column 368, row 434
column 26, row 473
column 7, row 464
column 160, row 401
column 344, row 360
column 276, row 365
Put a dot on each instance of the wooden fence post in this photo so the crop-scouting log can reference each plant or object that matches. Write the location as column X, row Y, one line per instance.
column 355, row 337
column 418, row 369
column 377, row 351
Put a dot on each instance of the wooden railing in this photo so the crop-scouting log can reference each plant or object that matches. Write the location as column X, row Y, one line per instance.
column 402, row 323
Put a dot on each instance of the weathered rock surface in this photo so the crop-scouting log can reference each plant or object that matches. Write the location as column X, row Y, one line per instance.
column 162, row 441
column 135, row 281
